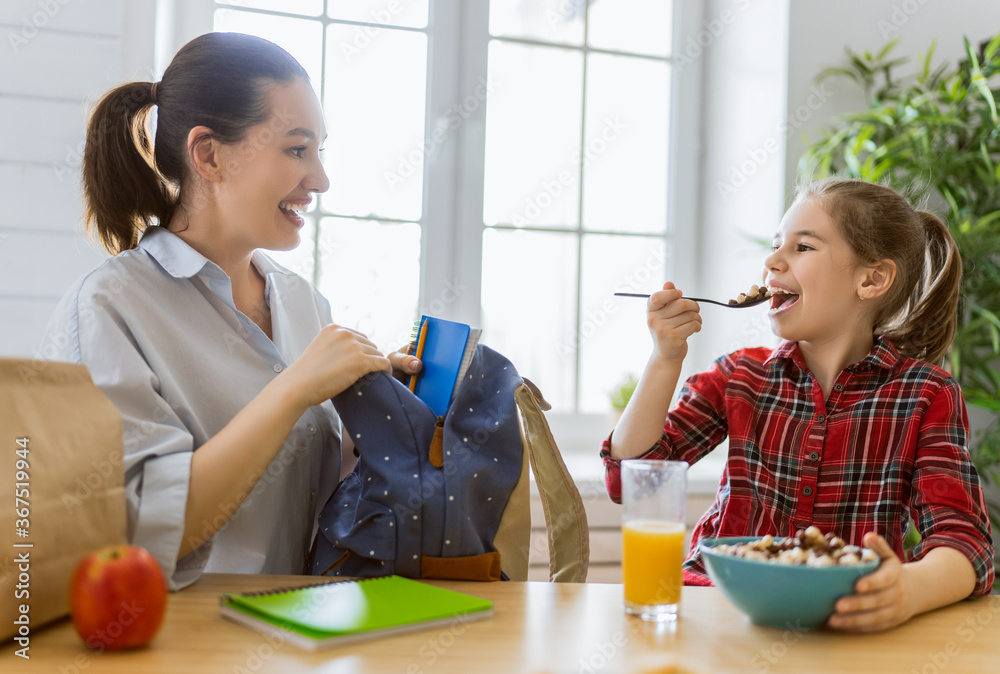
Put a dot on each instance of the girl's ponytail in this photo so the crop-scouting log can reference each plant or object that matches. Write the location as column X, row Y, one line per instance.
column 928, row 328
column 124, row 192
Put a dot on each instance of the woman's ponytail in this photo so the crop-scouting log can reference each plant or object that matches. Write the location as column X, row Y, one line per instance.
column 928, row 327
column 124, row 192
column 217, row 80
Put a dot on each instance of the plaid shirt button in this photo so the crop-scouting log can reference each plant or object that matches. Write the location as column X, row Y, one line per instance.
column 807, row 491
column 813, row 456
column 821, row 418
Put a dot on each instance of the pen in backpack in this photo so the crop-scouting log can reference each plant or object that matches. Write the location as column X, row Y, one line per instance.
column 421, row 341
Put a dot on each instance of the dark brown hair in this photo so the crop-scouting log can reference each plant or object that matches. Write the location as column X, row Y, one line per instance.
column 217, row 80
column 919, row 313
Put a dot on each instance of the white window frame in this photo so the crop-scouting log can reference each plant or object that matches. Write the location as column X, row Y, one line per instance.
column 452, row 219
column 452, row 252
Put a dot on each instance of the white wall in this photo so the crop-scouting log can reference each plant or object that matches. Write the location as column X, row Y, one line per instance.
column 818, row 32
column 55, row 56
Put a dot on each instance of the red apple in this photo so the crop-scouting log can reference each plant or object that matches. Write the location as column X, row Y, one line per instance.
column 117, row 597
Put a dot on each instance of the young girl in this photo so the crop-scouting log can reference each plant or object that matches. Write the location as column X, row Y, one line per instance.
column 221, row 362
column 847, row 425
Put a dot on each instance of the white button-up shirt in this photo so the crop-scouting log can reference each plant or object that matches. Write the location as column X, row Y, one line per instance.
column 162, row 338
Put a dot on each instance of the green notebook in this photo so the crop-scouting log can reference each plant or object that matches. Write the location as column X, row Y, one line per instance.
column 331, row 614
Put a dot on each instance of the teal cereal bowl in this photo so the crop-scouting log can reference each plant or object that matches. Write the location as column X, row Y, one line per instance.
column 791, row 596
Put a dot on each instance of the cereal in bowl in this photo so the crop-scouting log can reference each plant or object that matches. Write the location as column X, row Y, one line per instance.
column 809, row 547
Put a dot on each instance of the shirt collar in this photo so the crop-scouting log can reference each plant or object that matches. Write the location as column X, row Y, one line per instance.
column 266, row 265
column 182, row 261
column 178, row 258
column 882, row 355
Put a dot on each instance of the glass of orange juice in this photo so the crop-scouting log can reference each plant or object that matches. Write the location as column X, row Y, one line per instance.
column 653, row 496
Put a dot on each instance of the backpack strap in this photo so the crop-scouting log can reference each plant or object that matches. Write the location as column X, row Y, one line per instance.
column 565, row 517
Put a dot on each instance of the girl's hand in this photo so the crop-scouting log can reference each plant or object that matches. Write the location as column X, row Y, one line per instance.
column 671, row 321
column 882, row 599
column 334, row 360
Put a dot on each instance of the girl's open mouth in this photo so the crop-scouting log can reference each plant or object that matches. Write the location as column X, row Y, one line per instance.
column 782, row 300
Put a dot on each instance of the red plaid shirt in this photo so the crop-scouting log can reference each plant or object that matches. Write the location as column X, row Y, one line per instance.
column 889, row 444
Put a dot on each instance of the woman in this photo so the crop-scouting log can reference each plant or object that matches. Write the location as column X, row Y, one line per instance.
column 200, row 340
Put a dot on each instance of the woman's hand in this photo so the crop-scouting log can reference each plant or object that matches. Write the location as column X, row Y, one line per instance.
column 671, row 321
column 882, row 599
column 403, row 364
column 336, row 358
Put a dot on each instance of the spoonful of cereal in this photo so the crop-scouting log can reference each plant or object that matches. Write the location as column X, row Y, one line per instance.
column 755, row 296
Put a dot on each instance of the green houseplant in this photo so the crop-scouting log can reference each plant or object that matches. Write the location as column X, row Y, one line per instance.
column 935, row 133
column 622, row 393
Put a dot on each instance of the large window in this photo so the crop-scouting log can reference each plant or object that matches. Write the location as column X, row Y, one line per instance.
column 504, row 163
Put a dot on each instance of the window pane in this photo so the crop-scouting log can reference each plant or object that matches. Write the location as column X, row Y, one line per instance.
column 533, row 136
column 625, row 153
column 613, row 338
column 375, row 117
column 306, row 7
column 639, row 26
column 549, row 20
column 301, row 38
column 529, row 305
column 370, row 273
column 411, row 13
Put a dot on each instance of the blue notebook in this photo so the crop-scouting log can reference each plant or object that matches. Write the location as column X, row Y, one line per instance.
column 446, row 348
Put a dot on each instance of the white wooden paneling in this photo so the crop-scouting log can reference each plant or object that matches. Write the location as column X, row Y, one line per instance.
column 27, row 19
column 24, row 322
column 42, row 132
column 41, row 198
column 62, row 65
column 42, row 265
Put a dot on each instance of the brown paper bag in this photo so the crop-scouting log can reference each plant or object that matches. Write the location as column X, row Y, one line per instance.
column 62, row 486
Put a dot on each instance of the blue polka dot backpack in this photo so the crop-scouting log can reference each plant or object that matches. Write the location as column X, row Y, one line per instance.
column 447, row 497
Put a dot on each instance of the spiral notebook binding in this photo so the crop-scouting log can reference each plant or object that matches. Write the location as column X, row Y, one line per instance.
column 282, row 590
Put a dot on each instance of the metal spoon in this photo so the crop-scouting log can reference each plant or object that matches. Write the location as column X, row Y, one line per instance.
column 744, row 305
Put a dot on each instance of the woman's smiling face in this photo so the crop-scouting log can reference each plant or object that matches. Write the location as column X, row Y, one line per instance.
column 817, row 270
column 274, row 171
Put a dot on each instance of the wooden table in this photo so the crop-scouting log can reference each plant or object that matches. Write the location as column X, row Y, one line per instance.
column 537, row 627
